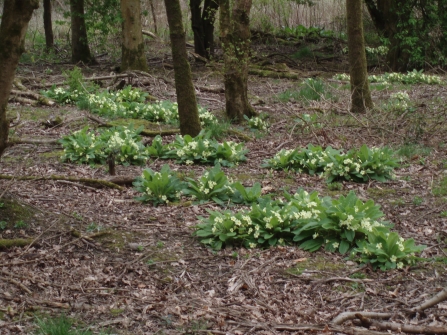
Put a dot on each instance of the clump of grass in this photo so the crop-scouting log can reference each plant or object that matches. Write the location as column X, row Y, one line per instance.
column 310, row 90
column 60, row 326
column 304, row 52
column 441, row 189
column 410, row 150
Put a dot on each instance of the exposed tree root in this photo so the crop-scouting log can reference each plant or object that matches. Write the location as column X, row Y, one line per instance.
column 97, row 182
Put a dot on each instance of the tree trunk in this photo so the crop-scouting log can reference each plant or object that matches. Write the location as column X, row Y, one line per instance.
column 208, row 17
column 80, row 51
column 133, row 56
column 386, row 20
column 360, row 93
column 14, row 23
column 196, row 25
column 235, row 37
column 186, row 97
column 48, row 25
column 202, row 23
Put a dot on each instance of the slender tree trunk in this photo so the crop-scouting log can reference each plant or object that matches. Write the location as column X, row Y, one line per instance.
column 133, row 56
column 186, row 97
column 208, row 17
column 80, row 51
column 15, row 19
column 235, row 37
column 154, row 16
column 48, row 25
column 360, row 93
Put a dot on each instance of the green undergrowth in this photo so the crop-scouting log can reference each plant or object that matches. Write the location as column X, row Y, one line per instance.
column 124, row 146
column 346, row 225
column 62, row 326
column 360, row 165
column 411, row 78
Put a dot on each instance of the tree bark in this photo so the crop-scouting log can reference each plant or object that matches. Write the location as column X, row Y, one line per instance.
column 13, row 27
column 186, row 97
column 133, row 56
column 360, row 93
column 80, row 51
column 48, row 25
column 235, row 37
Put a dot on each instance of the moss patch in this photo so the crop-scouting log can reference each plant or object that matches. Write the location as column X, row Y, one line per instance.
column 12, row 212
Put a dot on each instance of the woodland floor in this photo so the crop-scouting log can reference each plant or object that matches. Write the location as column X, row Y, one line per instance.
column 174, row 285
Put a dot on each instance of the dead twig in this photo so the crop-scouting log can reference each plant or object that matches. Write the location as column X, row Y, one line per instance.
column 15, row 282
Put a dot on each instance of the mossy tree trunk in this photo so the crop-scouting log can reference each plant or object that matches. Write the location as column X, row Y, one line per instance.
column 202, row 23
column 235, row 37
column 80, row 51
column 386, row 17
column 48, row 25
column 14, row 23
column 133, row 56
column 186, row 97
column 360, row 93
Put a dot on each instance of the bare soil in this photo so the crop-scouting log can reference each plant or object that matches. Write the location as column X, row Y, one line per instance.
column 146, row 274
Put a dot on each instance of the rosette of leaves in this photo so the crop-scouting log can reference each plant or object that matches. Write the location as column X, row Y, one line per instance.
column 83, row 147
column 272, row 225
column 157, row 148
column 130, row 94
column 225, row 228
column 212, row 185
column 387, row 250
column 283, row 160
column 246, row 195
column 125, row 144
column 204, row 150
column 159, row 187
column 62, row 95
column 335, row 223
column 379, row 163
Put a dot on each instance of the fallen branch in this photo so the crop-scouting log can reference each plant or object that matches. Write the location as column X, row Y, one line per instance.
column 239, row 134
column 98, row 182
column 353, row 280
column 413, row 329
column 14, row 141
column 275, row 74
column 150, row 34
column 36, row 98
column 317, row 328
column 149, row 133
column 210, row 89
column 17, row 242
column 441, row 296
